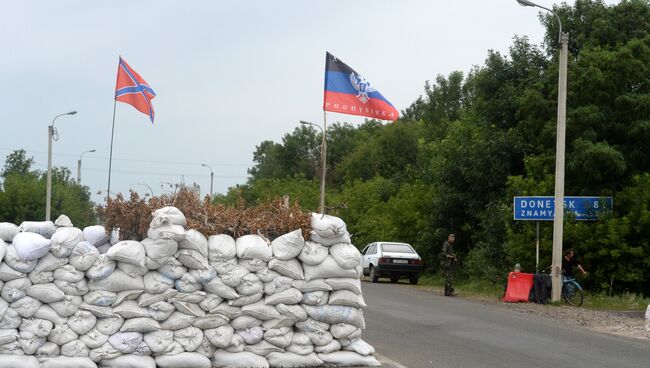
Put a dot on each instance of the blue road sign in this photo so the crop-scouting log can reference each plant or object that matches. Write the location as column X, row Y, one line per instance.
column 542, row 208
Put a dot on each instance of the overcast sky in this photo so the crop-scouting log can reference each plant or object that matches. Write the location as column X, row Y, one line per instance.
column 228, row 74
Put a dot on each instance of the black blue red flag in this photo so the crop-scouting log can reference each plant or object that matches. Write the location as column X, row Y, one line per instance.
column 132, row 89
column 348, row 92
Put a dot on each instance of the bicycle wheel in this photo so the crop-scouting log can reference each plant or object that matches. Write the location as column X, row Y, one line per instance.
column 572, row 293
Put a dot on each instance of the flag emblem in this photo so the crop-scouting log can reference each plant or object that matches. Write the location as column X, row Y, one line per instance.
column 132, row 89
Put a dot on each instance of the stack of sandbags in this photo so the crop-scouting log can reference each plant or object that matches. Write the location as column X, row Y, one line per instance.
column 75, row 298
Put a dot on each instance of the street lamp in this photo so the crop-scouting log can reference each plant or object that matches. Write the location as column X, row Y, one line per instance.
column 79, row 165
column 323, row 160
column 52, row 134
column 558, row 221
column 211, row 179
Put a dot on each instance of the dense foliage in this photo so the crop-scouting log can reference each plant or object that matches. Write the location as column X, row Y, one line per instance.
column 23, row 193
column 461, row 151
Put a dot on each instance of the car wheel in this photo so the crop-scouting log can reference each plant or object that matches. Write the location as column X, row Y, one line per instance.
column 394, row 279
column 374, row 275
column 413, row 280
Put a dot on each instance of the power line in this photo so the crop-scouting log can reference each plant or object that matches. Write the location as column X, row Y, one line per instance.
column 159, row 173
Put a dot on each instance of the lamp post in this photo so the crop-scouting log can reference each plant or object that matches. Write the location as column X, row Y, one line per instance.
column 558, row 220
column 323, row 160
column 52, row 134
column 211, row 179
column 79, row 165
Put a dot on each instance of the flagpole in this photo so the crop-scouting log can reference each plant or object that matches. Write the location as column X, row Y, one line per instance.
column 110, row 156
column 323, row 155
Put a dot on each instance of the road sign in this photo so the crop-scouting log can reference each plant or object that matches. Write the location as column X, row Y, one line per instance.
column 542, row 208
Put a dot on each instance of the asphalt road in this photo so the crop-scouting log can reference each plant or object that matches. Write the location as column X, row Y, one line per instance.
column 418, row 329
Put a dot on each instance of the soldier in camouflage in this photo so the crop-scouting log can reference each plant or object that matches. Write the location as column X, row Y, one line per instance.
column 448, row 261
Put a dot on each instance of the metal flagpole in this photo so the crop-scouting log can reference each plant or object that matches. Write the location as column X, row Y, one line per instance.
column 323, row 156
column 537, row 250
column 110, row 156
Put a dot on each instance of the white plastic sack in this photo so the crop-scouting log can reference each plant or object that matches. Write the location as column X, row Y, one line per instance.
column 15, row 262
column 40, row 277
column 64, row 240
column 101, row 269
column 183, row 360
column 290, row 268
column 253, row 246
column 190, row 338
column 110, row 325
column 47, row 351
column 155, row 283
column 253, row 265
column 315, row 298
column 223, row 358
column 223, row 267
column 159, row 341
column 63, row 221
column 204, row 276
column 62, row 334
column 172, row 269
column 217, row 287
column 160, row 248
column 327, row 226
column 192, row 259
column 221, row 248
column 117, row 281
column 360, row 347
column 295, row 312
column 72, row 288
column 329, row 269
column 95, row 235
column 177, row 321
column 288, row 245
column 289, row 296
column 336, row 314
column 129, row 361
column 332, row 347
column 26, row 307
column 279, row 336
column 8, row 231
column 220, row 336
column 68, row 273
column 168, row 215
column 82, row 321
column 346, row 255
column 194, row 240
column 31, row 246
column 21, row 361
column 68, row 306
column 45, row 228
column 127, row 251
column 313, row 253
column 167, row 231
column 160, row 311
column 100, row 297
column 83, row 256
column 7, row 273
column 343, row 238
column 94, row 338
column 46, row 312
column 75, row 349
column 68, row 362
column 46, row 293
column 15, row 289
column 130, row 309
column 50, row 262
column 352, row 284
column 250, row 284
column 277, row 285
column 246, row 300
column 125, row 342
column 313, row 285
column 262, row 348
column 347, row 298
column 349, row 359
column 142, row 325
column 260, row 310
column 278, row 359
column 104, row 352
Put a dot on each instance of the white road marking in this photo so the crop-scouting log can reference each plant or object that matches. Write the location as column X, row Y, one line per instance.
column 391, row 363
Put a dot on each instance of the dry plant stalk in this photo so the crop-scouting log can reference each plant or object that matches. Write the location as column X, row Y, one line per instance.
column 271, row 219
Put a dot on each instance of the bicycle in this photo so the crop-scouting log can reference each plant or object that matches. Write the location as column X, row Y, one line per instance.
column 571, row 289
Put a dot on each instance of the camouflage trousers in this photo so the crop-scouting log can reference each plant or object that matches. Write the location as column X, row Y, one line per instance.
column 448, row 273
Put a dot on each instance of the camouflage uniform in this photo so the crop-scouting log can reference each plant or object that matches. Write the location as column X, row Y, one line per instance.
column 447, row 265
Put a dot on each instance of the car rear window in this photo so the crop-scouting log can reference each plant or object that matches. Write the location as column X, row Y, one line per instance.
column 396, row 248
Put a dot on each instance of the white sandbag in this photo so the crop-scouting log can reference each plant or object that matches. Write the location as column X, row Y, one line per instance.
column 105, row 351
column 289, row 296
column 190, row 338
column 82, row 321
column 50, row 262
column 253, row 265
column 94, row 338
column 46, row 312
column 21, row 361
column 210, row 321
column 159, row 341
column 95, row 235
column 142, row 325
column 336, row 314
column 347, row 298
column 7, row 273
column 192, row 259
column 83, row 256
column 327, row 226
column 349, row 359
column 31, row 246
column 168, row 215
column 262, row 348
column 283, row 321
column 210, row 302
column 62, row 334
column 40, row 277
column 68, row 362
column 227, row 310
column 234, row 277
column 360, row 347
column 125, row 342
column 14, row 261
column 146, row 299
column 295, row 312
column 187, row 284
column 278, row 285
column 315, row 298
column 313, row 285
column 343, row 238
column 192, row 297
column 281, row 359
column 244, row 322
column 64, row 240
column 279, row 336
column 332, row 347
column 72, row 288
column 130, row 309
column 206, row 348
column 159, row 248
column 46, row 293
column 250, row 284
column 352, row 284
column 191, row 309
column 204, row 276
column 223, row 358
column 300, row 344
column 128, row 251
column 63, row 221
column 329, row 269
column 167, row 231
column 117, row 281
column 261, row 311
column 11, row 318
column 75, row 349
column 183, row 360
column 8, row 335
column 177, row 321
column 128, row 361
column 311, row 325
column 68, row 273
column 47, row 351
column 103, row 249
column 313, row 253
column 98, row 311
column 288, row 245
column 246, row 300
column 253, row 246
column 8, row 231
column 68, row 306
column 3, row 249
column 217, row 287
column 320, row 338
column 251, row 335
column 160, row 311
column 290, row 268
column 155, row 283
column 346, row 255
column 223, row 267
column 221, row 247
column 172, row 269
column 26, row 307
column 220, row 336
column 194, row 240
column 267, row 275
column 45, row 228
column 110, row 325
column 100, row 297
column 101, row 269
column 15, row 289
